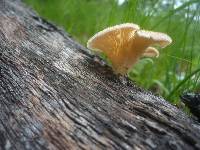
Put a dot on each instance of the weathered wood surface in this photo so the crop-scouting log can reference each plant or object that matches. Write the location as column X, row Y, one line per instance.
column 55, row 95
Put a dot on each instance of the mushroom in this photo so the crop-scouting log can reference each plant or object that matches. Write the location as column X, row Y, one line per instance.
column 124, row 44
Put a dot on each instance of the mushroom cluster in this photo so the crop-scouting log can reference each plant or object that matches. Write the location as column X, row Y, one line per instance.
column 125, row 44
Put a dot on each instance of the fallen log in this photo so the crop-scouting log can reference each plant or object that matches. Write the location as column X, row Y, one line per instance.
column 54, row 94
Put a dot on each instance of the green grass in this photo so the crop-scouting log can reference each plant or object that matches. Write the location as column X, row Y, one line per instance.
column 177, row 68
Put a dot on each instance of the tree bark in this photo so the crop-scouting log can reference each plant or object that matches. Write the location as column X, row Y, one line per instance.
column 54, row 94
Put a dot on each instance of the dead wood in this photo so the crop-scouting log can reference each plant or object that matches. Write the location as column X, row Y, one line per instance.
column 55, row 95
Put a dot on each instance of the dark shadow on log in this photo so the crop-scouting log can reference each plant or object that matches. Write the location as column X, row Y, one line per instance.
column 55, row 95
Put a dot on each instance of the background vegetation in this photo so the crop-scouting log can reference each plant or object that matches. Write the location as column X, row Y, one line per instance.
column 178, row 67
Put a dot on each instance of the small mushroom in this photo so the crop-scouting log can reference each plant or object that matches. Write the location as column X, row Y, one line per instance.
column 124, row 44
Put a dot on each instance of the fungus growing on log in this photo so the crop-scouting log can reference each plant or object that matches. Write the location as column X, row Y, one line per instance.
column 124, row 44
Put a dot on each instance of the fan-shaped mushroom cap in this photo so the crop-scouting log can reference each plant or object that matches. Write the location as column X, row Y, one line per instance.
column 158, row 38
column 124, row 44
column 151, row 52
column 111, row 36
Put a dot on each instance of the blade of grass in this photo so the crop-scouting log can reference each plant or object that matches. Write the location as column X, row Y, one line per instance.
column 182, row 82
column 171, row 13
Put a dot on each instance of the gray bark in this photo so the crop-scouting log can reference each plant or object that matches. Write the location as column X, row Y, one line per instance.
column 54, row 94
